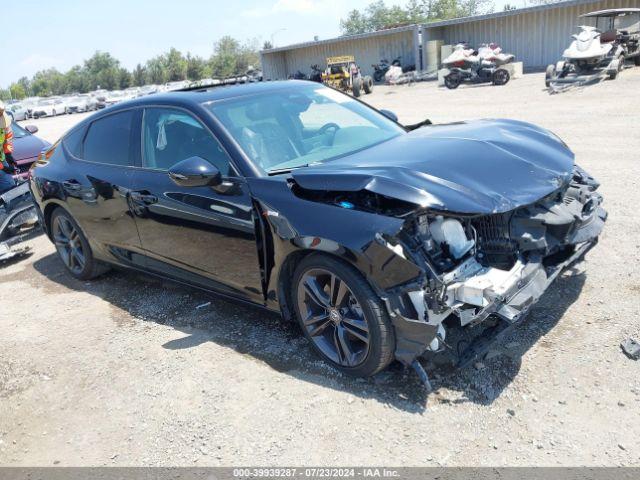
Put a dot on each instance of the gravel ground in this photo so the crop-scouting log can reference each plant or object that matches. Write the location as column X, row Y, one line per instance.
column 127, row 371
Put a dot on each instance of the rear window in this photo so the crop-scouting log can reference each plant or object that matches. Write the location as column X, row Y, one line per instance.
column 109, row 140
column 73, row 142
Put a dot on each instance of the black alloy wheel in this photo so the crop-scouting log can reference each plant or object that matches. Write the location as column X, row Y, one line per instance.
column 501, row 77
column 68, row 244
column 73, row 248
column 343, row 318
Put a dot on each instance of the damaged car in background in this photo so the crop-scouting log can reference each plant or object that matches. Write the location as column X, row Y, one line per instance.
column 383, row 242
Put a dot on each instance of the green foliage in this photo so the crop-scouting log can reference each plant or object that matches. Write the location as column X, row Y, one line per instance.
column 377, row 16
column 102, row 70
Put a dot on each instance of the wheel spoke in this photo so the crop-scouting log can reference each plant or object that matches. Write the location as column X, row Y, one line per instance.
column 357, row 328
column 319, row 326
column 61, row 240
column 78, row 256
column 315, row 293
column 343, row 347
column 338, row 291
column 65, row 227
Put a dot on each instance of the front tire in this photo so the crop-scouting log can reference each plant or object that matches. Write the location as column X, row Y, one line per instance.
column 73, row 248
column 500, row 77
column 341, row 316
column 367, row 84
column 356, row 86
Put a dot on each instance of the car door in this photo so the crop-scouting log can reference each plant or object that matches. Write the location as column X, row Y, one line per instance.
column 98, row 185
column 197, row 234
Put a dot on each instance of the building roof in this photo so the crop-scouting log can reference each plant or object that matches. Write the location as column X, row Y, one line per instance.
column 508, row 13
column 344, row 38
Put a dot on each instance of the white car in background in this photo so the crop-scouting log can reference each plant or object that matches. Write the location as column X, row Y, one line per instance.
column 81, row 103
column 18, row 111
column 111, row 98
column 172, row 86
column 48, row 107
column 131, row 93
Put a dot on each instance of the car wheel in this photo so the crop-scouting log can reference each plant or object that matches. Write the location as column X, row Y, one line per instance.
column 343, row 319
column 636, row 60
column 452, row 81
column 73, row 248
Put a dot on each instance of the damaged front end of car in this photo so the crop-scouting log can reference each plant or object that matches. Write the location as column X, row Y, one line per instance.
column 487, row 268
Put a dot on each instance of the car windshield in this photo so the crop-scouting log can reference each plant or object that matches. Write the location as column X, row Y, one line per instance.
column 283, row 130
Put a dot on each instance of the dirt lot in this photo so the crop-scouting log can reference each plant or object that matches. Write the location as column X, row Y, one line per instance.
column 126, row 371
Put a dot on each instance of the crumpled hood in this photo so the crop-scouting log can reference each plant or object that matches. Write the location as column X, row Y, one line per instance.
column 476, row 167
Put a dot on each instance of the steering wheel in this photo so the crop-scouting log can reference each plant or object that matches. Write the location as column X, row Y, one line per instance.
column 328, row 126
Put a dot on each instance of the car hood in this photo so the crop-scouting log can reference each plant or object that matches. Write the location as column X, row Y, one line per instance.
column 476, row 167
column 28, row 146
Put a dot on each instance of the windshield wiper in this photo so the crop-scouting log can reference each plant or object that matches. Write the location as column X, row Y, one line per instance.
column 279, row 171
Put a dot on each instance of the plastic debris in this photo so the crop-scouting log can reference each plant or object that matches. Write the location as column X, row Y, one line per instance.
column 204, row 305
column 631, row 348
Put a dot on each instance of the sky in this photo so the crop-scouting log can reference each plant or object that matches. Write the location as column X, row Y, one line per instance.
column 62, row 33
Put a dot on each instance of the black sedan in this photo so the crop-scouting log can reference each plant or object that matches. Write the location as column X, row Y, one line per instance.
column 379, row 239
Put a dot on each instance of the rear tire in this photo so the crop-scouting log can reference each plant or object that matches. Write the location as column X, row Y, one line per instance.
column 452, row 81
column 500, row 77
column 341, row 310
column 73, row 248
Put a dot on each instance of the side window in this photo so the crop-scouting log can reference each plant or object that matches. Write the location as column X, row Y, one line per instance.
column 73, row 142
column 170, row 136
column 109, row 140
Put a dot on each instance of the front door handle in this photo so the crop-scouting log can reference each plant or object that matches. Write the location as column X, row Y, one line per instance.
column 142, row 197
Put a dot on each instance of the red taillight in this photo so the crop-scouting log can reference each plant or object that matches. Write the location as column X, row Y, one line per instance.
column 45, row 155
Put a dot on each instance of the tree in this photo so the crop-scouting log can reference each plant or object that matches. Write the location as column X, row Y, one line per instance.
column 267, row 45
column 378, row 16
column 156, row 72
column 139, row 75
column 230, row 57
column 17, row 91
column 508, row 7
column 175, row 65
column 196, row 67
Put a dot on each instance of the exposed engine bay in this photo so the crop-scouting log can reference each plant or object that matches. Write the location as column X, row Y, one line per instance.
column 495, row 265
column 477, row 267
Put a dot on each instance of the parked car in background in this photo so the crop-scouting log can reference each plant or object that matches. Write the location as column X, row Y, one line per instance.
column 111, row 98
column 18, row 111
column 381, row 241
column 26, row 147
column 81, row 103
column 148, row 90
column 48, row 107
column 29, row 103
column 131, row 93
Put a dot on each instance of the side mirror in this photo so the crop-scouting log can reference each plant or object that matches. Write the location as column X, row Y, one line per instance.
column 31, row 128
column 390, row 115
column 195, row 172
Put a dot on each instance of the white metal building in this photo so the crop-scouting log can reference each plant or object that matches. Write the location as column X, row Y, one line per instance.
column 368, row 48
column 536, row 35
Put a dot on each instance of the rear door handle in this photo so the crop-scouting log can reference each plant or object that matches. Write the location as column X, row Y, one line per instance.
column 145, row 198
column 72, row 185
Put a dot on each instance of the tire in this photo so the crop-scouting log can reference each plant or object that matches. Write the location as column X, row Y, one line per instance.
column 636, row 60
column 356, row 86
column 331, row 331
column 378, row 76
column 550, row 74
column 452, row 81
column 73, row 248
column 500, row 77
column 368, row 84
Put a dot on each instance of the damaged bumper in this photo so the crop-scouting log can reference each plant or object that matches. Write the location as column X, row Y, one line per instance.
column 547, row 239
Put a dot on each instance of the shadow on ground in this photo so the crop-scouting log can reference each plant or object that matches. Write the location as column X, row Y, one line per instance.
column 264, row 337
